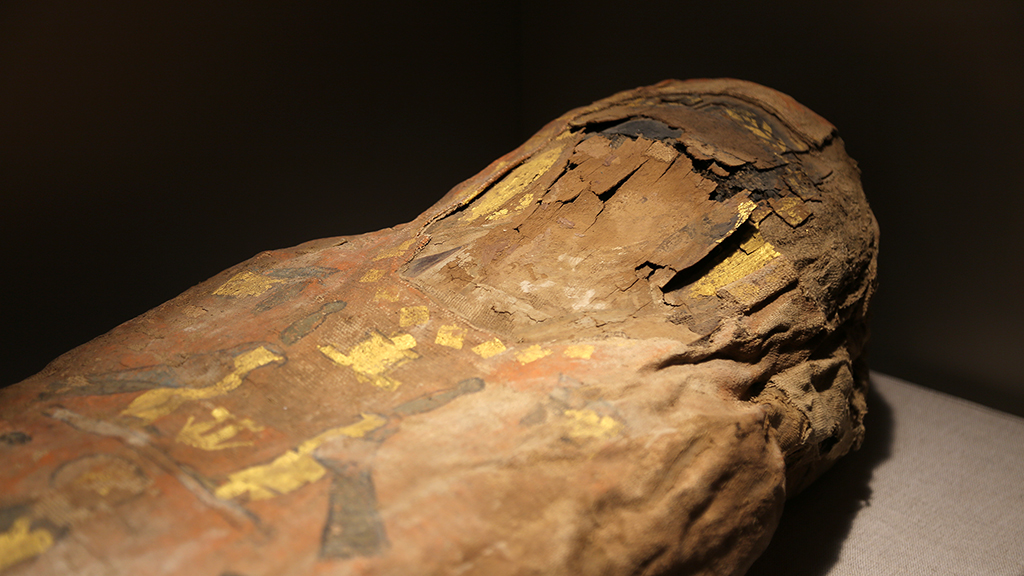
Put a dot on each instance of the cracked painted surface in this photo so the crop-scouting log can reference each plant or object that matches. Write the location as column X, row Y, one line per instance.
column 614, row 351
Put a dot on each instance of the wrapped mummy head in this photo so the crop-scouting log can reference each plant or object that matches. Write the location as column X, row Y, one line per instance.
column 716, row 213
column 614, row 351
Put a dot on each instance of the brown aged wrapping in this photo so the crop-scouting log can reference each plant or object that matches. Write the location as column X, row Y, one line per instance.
column 616, row 350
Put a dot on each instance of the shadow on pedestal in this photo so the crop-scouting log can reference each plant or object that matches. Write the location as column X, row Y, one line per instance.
column 816, row 522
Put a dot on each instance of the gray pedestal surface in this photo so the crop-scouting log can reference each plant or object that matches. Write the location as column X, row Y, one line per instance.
column 937, row 489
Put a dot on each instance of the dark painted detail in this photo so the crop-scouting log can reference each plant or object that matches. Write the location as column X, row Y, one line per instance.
column 416, row 267
column 537, row 416
column 10, row 514
column 688, row 99
column 99, row 481
column 646, row 127
column 197, row 371
column 760, row 183
column 318, row 272
column 290, row 290
column 354, row 527
column 436, row 400
column 15, row 438
column 303, row 326
column 134, row 380
column 280, row 296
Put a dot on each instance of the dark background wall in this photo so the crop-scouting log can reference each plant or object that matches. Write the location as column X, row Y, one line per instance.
column 146, row 146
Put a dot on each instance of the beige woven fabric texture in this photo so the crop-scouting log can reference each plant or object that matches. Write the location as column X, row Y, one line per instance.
column 937, row 489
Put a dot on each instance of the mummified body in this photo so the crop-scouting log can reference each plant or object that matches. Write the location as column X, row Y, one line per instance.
column 614, row 351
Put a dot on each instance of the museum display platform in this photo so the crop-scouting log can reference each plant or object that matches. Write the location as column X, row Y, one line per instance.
column 937, row 488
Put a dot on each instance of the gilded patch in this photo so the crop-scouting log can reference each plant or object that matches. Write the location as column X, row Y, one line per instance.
column 450, row 336
column 389, row 294
column 162, row 401
column 756, row 126
column 293, row 469
column 413, row 316
column 524, row 202
column 791, row 209
column 372, row 275
column 395, row 251
column 246, row 284
column 214, row 434
column 532, row 354
column 753, row 255
column 489, row 348
column 21, row 542
column 371, row 358
column 589, row 424
column 581, row 351
column 512, row 184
